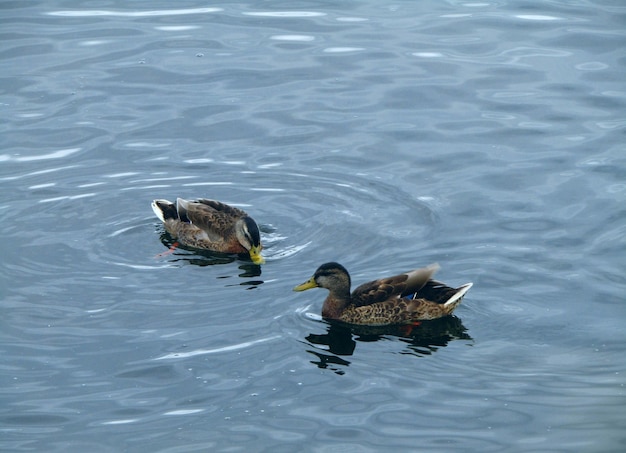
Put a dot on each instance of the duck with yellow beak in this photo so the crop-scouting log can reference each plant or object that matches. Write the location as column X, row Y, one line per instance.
column 406, row 298
column 211, row 225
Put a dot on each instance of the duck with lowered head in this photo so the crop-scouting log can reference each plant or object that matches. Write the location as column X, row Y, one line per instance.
column 211, row 225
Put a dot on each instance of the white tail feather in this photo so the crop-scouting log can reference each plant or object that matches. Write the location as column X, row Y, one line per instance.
column 157, row 210
column 460, row 293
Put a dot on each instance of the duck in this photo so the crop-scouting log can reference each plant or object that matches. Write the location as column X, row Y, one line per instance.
column 403, row 299
column 211, row 225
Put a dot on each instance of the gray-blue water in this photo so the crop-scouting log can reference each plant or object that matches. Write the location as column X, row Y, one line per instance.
column 487, row 136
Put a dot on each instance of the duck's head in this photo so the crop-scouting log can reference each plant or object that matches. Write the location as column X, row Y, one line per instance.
column 332, row 276
column 248, row 235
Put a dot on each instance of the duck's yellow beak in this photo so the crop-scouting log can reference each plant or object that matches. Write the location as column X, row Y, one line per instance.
column 255, row 255
column 310, row 283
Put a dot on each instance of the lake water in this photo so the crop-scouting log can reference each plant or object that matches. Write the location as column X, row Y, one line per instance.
column 486, row 136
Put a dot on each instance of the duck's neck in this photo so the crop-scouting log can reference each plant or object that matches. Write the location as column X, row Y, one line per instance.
column 335, row 304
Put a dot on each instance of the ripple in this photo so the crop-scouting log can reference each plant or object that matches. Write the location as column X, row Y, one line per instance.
column 151, row 13
column 537, row 17
column 342, row 49
column 297, row 203
column 287, row 14
column 35, row 419
column 295, row 38
column 592, row 66
column 235, row 347
column 60, row 154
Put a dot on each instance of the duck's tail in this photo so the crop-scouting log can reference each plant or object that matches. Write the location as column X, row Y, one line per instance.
column 164, row 210
column 456, row 298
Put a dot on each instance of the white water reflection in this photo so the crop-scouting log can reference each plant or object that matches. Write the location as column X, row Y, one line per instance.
column 285, row 14
column 153, row 13
column 234, row 347
column 53, row 155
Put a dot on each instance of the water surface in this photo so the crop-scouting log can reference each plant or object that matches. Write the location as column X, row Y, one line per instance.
column 485, row 136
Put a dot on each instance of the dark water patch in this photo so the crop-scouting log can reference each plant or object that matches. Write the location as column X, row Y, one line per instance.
column 153, row 373
column 35, row 420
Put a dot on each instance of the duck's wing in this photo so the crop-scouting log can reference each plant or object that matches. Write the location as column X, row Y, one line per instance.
column 218, row 224
column 387, row 289
column 222, row 207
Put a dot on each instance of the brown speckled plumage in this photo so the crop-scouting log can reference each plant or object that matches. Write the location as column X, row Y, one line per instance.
column 210, row 225
column 402, row 299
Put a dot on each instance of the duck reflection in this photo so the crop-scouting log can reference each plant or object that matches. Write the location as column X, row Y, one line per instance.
column 197, row 257
column 423, row 339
